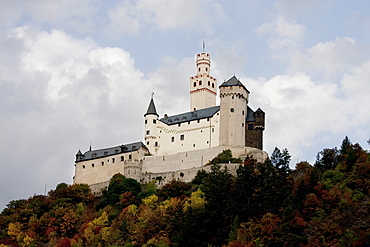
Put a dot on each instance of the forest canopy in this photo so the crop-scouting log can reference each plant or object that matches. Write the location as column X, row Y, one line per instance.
column 264, row 204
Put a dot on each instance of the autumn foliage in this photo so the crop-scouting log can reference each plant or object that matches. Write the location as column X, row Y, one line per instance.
column 269, row 204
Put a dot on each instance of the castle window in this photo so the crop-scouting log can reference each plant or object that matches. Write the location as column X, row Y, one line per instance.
column 113, row 160
column 122, row 158
column 193, row 145
column 154, row 121
column 172, row 139
column 116, row 151
column 213, row 85
column 83, row 166
column 146, row 121
column 130, row 157
column 147, row 143
column 206, row 69
column 199, row 69
column 105, row 153
column 198, row 121
column 182, row 137
column 200, row 83
column 258, row 114
column 92, row 165
column 179, row 124
column 156, row 144
column 209, row 83
column 243, row 113
column 242, row 124
column 250, row 126
column 93, row 155
column 207, row 119
column 188, row 122
column 148, row 132
column 102, row 163
column 213, row 129
column 232, row 97
column 195, row 84
column 231, row 109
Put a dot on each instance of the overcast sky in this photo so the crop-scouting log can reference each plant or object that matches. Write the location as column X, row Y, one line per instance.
column 79, row 71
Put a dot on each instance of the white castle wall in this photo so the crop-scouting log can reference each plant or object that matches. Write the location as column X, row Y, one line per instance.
column 196, row 135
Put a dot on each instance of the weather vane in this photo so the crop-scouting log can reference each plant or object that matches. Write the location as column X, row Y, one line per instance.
column 152, row 94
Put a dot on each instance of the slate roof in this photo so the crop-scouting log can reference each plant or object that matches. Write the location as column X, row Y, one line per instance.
column 99, row 153
column 250, row 117
column 151, row 109
column 190, row 116
column 233, row 81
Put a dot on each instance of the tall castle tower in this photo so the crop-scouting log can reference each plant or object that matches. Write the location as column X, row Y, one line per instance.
column 233, row 110
column 203, row 87
column 151, row 130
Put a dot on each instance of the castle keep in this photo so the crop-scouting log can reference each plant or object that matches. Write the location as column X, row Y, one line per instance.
column 176, row 147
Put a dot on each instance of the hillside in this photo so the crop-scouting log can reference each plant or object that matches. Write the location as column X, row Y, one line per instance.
column 324, row 204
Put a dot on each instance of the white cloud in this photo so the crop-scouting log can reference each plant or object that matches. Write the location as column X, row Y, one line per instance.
column 284, row 36
column 130, row 17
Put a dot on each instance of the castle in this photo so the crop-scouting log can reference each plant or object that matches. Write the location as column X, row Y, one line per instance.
column 178, row 146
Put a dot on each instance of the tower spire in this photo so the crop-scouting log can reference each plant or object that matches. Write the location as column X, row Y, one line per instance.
column 151, row 108
column 204, row 46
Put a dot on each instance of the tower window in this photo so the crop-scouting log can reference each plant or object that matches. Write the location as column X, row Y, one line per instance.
column 231, row 109
column 154, row 121
column 199, row 69
column 92, row 165
column 213, row 85
column 102, row 163
column 182, row 137
column 209, row 83
column 122, row 158
column 200, row 83
column 179, row 124
column 242, row 124
column 113, row 160
column 172, row 139
column 243, row 113
column 156, row 144
column 195, row 84
column 130, row 156
column 147, row 143
column 83, row 166
column 148, row 132
column 146, row 121
column 206, row 69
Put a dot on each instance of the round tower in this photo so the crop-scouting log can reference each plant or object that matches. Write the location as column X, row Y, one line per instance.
column 203, row 87
column 151, row 130
column 233, row 109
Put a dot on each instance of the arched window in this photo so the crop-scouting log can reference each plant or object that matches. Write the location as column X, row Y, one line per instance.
column 102, row 163
column 130, row 157
column 209, row 83
column 206, row 69
column 122, row 158
column 195, row 84
column 113, row 160
column 92, row 165
column 213, row 85
column 83, row 166
column 200, row 83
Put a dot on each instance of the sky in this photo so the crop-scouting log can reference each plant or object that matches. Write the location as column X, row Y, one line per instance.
column 75, row 72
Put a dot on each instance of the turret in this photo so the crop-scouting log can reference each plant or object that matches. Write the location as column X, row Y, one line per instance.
column 203, row 87
column 79, row 155
column 151, row 130
column 233, row 109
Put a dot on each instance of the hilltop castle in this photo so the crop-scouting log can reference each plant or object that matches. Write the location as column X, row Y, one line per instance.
column 178, row 146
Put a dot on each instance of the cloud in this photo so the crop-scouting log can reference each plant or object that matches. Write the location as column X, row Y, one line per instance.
column 284, row 35
column 75, row 15
column 58, row 93
column 132, row 17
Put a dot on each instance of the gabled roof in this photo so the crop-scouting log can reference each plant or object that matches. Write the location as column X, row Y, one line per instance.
column 151, row 109
column 260, row 110
column 99, row 153
column 233, row 81
column 250, row 117
column 190, row 116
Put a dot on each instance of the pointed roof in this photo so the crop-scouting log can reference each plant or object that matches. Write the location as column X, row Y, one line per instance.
column 151, row 109
column 233, row 81
column 260, row 110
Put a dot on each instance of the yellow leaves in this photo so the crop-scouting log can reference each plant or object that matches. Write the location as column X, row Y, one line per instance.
column 97, row 230
column 132, row 209
column 151, row 201
column 14, row 229
column 27, row 240
column 196, row 200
